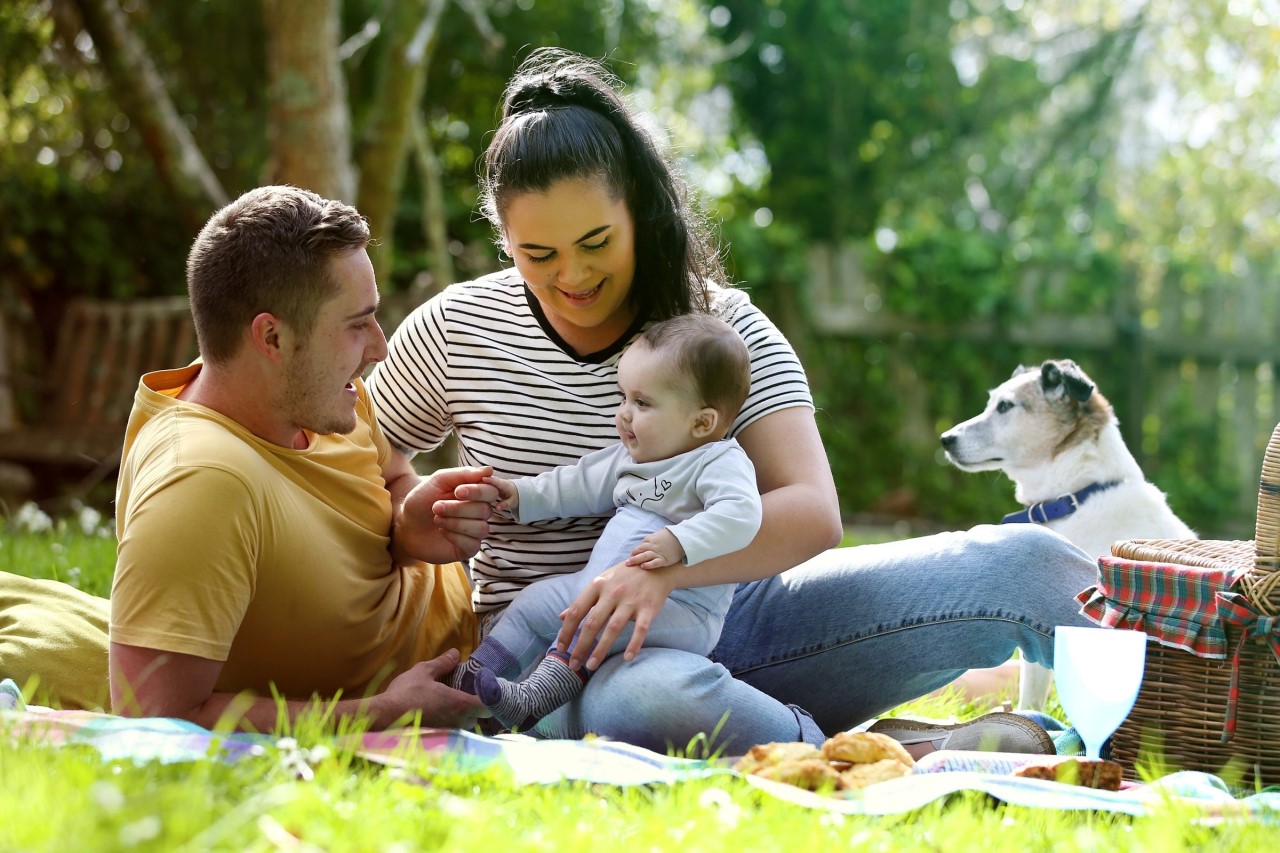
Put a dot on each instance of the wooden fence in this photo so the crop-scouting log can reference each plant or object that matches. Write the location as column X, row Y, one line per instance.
column 1219, row 345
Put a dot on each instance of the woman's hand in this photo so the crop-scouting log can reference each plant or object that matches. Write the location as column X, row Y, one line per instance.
column 617, row 596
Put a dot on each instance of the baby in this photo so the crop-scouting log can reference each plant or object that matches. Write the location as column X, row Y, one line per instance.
column 683, row 493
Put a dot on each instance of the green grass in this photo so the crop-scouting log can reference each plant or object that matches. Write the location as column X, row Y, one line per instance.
column 69, row 798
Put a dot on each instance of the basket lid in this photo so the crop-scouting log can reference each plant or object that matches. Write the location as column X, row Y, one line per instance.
column 1174, row 603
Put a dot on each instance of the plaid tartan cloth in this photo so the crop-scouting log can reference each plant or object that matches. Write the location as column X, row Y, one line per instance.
column 1253, row 625
column 1174, row 604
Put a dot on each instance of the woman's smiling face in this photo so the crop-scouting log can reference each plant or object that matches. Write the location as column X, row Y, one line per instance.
column 574, row 245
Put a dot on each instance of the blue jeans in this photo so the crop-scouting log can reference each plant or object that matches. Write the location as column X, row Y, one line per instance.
column 690, row 620
column 842, row 638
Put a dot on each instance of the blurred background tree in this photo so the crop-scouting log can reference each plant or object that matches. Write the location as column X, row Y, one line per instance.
column 915, row 190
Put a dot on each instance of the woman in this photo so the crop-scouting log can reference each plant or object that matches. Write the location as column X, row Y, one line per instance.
column 521, row 364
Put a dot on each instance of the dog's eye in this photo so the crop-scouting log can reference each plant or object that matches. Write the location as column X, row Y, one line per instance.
column 1003, row 406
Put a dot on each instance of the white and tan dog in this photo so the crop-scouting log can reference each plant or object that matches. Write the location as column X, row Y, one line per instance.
column 1051, row 432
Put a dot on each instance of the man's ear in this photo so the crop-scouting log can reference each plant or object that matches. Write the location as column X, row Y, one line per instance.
column 706, row 422
column 267, row 334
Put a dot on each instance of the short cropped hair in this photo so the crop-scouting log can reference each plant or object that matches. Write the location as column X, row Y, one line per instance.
column 708, row 357
column 267, row 251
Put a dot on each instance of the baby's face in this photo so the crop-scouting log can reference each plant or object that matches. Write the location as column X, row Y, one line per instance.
column 657, row 416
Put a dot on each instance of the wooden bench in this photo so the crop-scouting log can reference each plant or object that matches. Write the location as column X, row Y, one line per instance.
column 84, row 401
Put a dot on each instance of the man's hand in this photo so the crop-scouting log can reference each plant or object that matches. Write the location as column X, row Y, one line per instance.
column 658, row 549
column 618, row 595
column 443, row 517
column 420, row 689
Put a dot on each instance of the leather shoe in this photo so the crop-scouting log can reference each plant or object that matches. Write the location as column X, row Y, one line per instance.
column 996, row 732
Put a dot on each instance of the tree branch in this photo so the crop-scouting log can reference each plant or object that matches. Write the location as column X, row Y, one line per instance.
column 412, row 28
column 144, row 98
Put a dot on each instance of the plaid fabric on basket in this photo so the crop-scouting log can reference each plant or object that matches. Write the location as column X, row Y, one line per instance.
column 1174, row 604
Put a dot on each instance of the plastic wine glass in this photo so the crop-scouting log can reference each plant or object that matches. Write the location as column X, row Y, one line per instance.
column 1098, row 672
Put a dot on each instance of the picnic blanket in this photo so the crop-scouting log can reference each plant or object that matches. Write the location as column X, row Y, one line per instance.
column 601, row 761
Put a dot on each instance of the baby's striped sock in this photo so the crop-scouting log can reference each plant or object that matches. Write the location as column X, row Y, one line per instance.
column 490, row 655
column 522, row 704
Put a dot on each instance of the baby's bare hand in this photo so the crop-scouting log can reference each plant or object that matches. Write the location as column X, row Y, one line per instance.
column 658, row 549
column 507, row 497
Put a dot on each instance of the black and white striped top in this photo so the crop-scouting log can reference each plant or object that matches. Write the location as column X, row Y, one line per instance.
column 480, row 359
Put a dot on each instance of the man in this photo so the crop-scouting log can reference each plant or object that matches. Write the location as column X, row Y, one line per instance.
column 269, row 540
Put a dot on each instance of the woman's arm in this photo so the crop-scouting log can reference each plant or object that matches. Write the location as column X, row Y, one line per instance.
column 801, row 519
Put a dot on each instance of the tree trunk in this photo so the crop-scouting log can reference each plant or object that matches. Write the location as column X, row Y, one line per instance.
column 310, row 121
column 411, row 30
column 434, row 218
column 143, row 97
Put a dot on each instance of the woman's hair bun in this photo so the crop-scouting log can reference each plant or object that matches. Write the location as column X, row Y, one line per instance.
column 552, row 78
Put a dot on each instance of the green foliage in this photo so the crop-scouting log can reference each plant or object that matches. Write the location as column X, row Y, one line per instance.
column 837, row 92
column 980, row 159
column 992, row 163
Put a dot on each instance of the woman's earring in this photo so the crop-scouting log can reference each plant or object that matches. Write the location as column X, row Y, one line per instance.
column 503, row 257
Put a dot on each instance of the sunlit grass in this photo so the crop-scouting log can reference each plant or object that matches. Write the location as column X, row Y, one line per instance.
column 313, row 792
column 55, row 799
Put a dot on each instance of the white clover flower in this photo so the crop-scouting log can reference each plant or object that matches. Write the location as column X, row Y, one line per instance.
column 727, row 811
column 32, row 519
column 73, row 576
column 299, row 761
column 455, row 806
column 146, row 829
column 108, row 797
column 89, row 519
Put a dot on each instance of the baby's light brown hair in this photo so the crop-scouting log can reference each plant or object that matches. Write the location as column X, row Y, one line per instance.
column 708, row 359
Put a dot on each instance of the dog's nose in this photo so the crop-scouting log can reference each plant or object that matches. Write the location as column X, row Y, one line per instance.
column 948, row 440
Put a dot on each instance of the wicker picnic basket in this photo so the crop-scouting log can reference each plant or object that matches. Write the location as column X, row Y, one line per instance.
column 1182, row 709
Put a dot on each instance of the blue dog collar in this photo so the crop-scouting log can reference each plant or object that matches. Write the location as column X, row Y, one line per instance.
column 1060, row 507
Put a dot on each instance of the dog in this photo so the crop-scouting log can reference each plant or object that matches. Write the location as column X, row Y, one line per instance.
column 1051, row 432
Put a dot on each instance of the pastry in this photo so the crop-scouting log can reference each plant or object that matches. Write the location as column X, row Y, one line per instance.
column 812, row 774
column 862, row 775
column 771, row 754
column 846, row 762
column 865, row 748
column 1085, row 772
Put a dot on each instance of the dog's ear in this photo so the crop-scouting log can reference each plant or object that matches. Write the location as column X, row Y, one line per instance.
column 1068, row 376
column 1021, row 369
column 1079, row 386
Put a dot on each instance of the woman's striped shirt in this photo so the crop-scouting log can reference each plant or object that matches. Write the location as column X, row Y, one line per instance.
column 480, row 359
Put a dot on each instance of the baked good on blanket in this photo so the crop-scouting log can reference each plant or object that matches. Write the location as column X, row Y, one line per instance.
column 1085, row 772
column 846, row 762
column 772, row 754
column 812, row 774
column 862, row 775
column 865, row 748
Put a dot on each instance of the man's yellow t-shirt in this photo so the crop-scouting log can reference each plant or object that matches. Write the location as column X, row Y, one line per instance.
column 273, row 560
